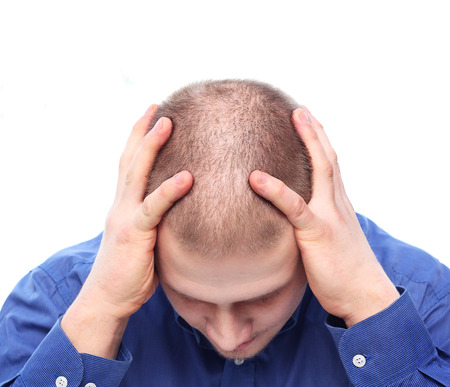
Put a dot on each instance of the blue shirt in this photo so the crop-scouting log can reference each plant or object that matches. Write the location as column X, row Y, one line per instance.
column 407, row 344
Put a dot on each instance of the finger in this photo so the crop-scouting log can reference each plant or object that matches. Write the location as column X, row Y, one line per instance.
column 331, row 154
column 322, row 168
column 159, row 201
column 325, row 141
column 136, row 178
column 137, row 134
column 285, row 199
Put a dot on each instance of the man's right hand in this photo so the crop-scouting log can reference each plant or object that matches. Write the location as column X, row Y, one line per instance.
column 123, row 276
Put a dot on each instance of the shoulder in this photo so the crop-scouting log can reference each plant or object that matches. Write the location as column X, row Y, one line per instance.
column 426, row 279
column 78, row 258
column 69, row 268
column 56, row 281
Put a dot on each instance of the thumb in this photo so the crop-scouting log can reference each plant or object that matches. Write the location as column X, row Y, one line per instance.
column 284, row 198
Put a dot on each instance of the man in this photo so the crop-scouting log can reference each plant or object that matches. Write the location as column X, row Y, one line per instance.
column 267, row 276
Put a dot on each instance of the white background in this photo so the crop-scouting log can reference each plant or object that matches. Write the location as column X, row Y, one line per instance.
column 75, row 76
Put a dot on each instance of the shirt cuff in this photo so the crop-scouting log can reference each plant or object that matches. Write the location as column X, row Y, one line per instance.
column 384, row 347
column 57, row 361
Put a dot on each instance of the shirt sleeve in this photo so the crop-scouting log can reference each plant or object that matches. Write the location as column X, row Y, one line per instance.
column 57, row 360
column 34, row 350
column 392, row 348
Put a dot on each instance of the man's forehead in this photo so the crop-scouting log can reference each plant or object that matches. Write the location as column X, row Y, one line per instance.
column 260, row 293
column 199, row 277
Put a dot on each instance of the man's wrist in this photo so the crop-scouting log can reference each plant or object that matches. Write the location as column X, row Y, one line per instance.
column 93, row 330
column 370, row 301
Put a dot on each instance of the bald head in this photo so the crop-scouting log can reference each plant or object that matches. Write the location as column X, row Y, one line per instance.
column 222, row 131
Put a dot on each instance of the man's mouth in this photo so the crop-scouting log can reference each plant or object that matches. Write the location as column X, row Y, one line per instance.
column 245, row 344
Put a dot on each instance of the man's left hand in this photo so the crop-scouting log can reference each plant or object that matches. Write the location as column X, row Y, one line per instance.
column 340, row 266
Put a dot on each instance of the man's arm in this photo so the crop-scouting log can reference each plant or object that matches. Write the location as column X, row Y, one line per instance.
column 122, row 279
column 341, row 268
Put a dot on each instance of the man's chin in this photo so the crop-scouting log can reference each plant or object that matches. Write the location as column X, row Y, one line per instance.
column 256, row 345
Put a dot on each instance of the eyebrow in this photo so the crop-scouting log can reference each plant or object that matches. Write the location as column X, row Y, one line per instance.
column 250, row 300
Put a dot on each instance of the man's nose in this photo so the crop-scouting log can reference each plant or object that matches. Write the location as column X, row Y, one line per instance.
column 228, row 329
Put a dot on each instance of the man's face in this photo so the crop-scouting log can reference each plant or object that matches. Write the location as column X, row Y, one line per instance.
column 239, row 303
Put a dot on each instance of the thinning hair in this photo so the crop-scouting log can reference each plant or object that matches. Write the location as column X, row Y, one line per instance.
column 222, row 131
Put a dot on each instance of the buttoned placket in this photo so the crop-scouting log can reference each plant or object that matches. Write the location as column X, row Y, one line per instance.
column 238, row 373
column 61, row 381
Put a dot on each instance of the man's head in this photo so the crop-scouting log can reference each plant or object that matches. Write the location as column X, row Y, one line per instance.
column 222, row 131
column 226, row 258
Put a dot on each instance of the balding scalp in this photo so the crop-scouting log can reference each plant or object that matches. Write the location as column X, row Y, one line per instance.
column 222, row 131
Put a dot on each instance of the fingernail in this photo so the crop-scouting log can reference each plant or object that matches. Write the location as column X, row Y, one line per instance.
column 151, row 109
column 303, row 117
column 158, row 125
column 263, row 178
column 179, row 178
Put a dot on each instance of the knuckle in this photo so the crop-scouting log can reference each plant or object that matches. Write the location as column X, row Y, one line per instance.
column 129, row 177
column 314, row 136
column 298, row 207
column 327, row 169
column 279, row 189
column 169, row 192
column 148, row 206
column 151, row 209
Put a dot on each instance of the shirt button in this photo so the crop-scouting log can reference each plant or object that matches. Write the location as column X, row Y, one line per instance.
column 90, row 385
column 61, row 381
column 239, row 362
column 359, row 361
